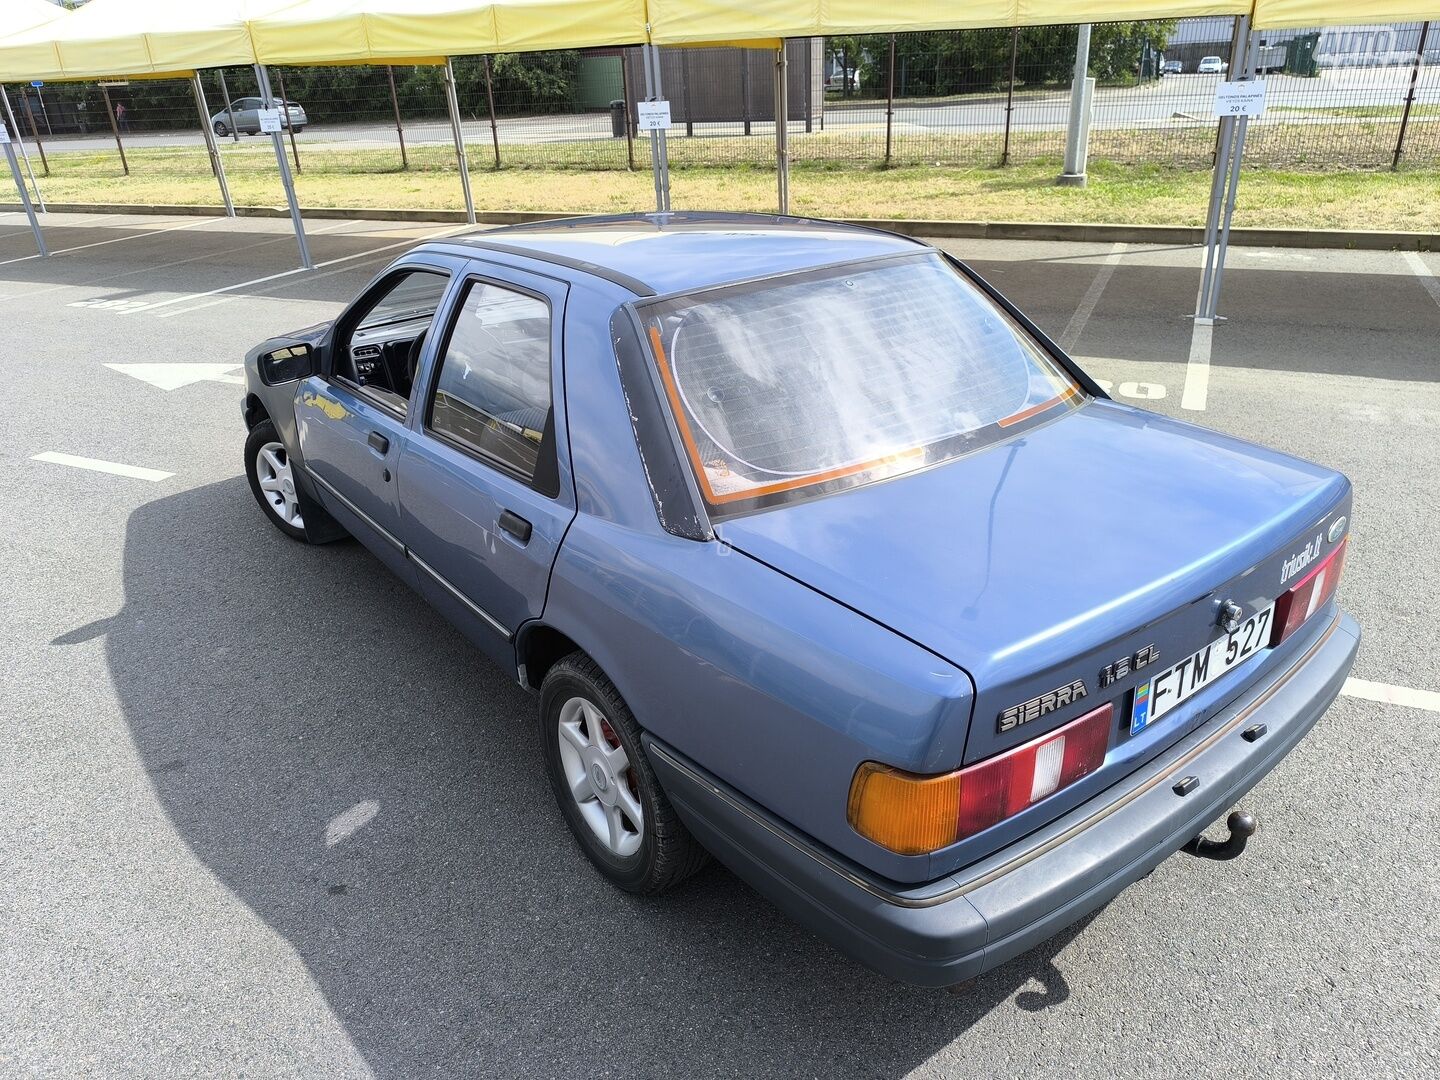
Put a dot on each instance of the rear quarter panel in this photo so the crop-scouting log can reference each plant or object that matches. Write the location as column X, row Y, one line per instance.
column 772, row 687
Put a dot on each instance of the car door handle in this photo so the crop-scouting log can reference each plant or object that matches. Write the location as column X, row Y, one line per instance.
column 379, row 443
column 516, row 526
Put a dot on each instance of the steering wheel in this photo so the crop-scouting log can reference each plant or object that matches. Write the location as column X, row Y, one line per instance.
column 412, row 358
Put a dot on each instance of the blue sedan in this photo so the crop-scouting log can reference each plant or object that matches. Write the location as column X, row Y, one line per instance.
column 821, row 559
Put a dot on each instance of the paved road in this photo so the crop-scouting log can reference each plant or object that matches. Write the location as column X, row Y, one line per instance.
column 1177, row 100
column 269, row 815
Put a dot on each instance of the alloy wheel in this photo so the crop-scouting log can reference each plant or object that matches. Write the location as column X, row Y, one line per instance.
column 277, row 482
column 599, row 777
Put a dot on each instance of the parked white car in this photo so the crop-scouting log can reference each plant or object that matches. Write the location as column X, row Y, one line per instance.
column 1212, row 65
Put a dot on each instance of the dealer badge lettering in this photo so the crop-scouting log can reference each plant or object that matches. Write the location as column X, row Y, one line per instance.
column 1037, row 707
column 1296, row 563
column 1111, row 673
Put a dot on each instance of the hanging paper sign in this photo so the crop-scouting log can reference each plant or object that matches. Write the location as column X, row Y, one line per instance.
column 4, row 135
column 652, row 115
column 1240, row 98
column 269, row 121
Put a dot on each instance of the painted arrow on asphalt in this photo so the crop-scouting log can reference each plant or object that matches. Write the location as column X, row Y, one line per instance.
column 174, row 376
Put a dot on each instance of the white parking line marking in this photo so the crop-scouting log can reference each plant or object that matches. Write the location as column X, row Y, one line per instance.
column 174, row 376
column 117, row 240
column 1197, row 368
column 96, row 465
column 1070, row 336
column 1427, row 279
column 1392, row 695
column 299, row 270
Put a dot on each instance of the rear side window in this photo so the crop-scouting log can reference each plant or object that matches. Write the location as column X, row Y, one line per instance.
column 815, row 382
column 492, row 396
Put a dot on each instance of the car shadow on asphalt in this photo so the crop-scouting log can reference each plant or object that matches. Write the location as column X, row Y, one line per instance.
column 371, row 787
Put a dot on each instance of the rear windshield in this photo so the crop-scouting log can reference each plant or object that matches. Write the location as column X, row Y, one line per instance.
column 806, row 384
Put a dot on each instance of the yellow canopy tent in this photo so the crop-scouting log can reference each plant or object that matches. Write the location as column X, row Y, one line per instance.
column 135, row 38
column 381, row 31
column 1287, row 14
column 681, row 22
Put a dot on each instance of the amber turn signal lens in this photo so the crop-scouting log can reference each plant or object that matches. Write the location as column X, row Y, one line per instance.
column 913, row 814
column 902, row 811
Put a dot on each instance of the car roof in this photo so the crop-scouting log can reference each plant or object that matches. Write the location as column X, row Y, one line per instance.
column 679, row 251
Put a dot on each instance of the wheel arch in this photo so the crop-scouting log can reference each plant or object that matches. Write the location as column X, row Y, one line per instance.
column 255, row 411
column 538, row 647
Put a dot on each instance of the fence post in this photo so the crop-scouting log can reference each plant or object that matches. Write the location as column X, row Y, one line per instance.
column 782, row 128
column 452, row 102
column 399, row 127
column 24, row 196
column 1010, row 94
column 1078, row 137
column 229, row 109
column 114, row 127
column 211, row 146
column 1410, row 95
column 490, row 98
column 659, row 152
column 34, row 131
column 625, row 94
column 15, row 127
column 285, row 108
column 890, row 102
column 267, row 100
column 745, row 88
column 685, row 90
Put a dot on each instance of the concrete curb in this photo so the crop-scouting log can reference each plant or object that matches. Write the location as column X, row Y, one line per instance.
column 958, row 230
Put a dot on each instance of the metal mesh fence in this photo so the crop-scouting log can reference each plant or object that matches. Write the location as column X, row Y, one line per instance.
column 1338, row 98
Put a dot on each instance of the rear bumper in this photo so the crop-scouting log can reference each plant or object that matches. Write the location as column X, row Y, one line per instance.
column 951, row 930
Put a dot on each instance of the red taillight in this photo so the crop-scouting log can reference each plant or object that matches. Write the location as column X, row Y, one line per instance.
column 1302, row 600
column 913, row 814
column 1003, row 786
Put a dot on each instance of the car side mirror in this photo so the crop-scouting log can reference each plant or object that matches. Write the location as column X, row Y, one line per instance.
column 287, row 364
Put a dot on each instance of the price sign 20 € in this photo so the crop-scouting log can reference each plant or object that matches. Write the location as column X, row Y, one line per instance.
column 1240, row 98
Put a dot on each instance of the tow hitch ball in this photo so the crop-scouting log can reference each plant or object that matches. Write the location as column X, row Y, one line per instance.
column 1242, row 826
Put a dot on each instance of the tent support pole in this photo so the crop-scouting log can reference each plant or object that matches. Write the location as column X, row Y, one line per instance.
column 35, row 131
column 229, row 106
column 30, row 169
column 399, row 127
column 267, row 99
column 490, row 99
column 1410, row 95
column 25, row 198
column 285, row 109
column 211, row 146
column 782, row 130
column 1226, row 185
column 452, row 101
column 659, row 153
column 114, row 127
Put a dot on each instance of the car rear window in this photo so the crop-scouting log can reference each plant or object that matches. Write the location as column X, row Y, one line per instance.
column 809, row 383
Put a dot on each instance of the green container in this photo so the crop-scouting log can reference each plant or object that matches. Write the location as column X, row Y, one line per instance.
column 1300, row 56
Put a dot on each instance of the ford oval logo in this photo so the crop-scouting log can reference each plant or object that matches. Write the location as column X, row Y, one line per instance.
column 1337, row 529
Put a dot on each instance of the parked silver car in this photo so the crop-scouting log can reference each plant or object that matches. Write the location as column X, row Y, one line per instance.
column 246, row 117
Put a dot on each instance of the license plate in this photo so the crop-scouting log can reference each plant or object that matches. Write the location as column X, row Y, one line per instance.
column 1187, row 678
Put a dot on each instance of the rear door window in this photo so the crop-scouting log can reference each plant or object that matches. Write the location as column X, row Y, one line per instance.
column 492, row 394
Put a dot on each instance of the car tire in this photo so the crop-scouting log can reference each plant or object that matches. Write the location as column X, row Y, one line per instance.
column 221, row 129
column 299, row 130
column 592, row 748
column 272, row 480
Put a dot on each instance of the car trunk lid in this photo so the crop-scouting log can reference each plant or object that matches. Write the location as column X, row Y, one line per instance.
column 1037, row 563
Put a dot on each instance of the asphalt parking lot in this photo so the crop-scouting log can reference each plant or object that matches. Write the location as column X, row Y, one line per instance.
column 270, row 815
